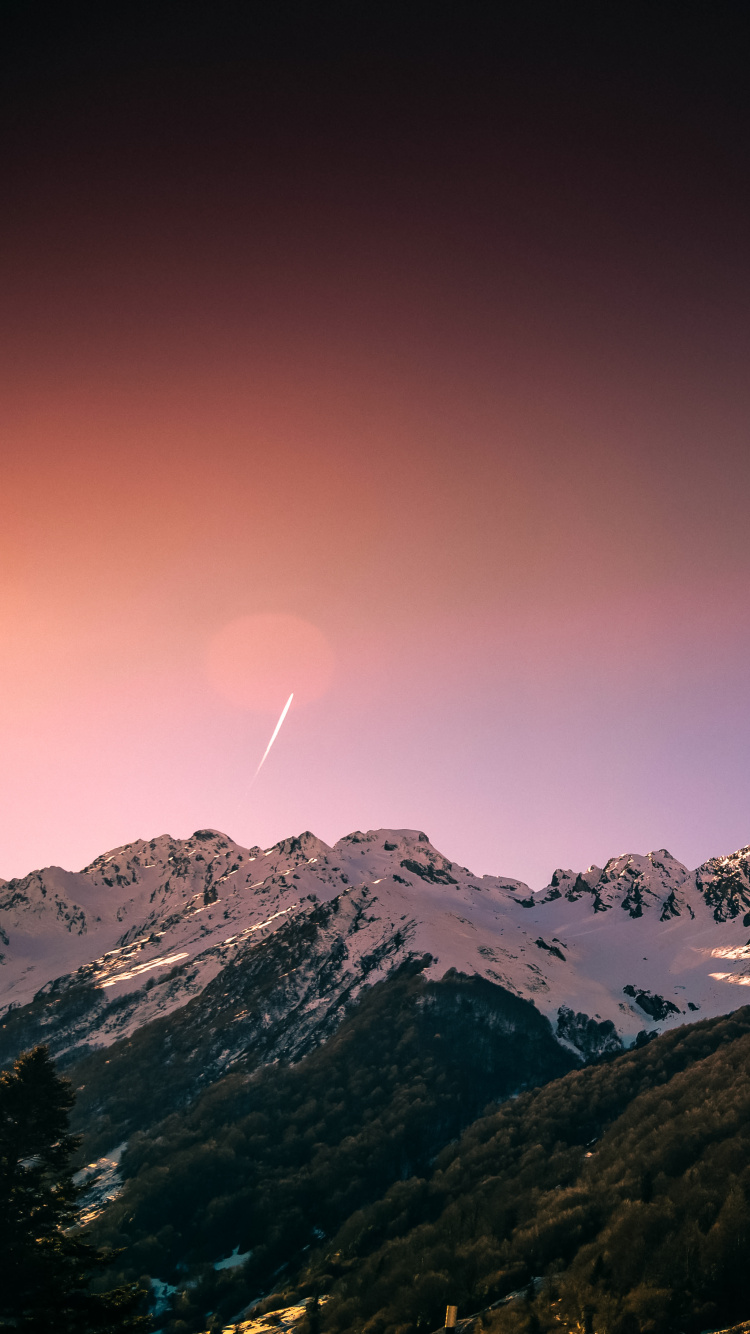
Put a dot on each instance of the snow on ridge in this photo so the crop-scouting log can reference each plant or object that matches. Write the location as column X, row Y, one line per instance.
column 633, row 942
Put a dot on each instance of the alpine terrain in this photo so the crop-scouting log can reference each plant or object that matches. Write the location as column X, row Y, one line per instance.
column 90, row 957
column 274, row 1050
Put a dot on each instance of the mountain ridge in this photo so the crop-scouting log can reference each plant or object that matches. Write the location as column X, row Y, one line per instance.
column 145, row 928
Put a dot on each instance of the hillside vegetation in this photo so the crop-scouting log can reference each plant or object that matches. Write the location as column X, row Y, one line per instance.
column 275, row 1161
column 626, row 1186
column 614, row 1197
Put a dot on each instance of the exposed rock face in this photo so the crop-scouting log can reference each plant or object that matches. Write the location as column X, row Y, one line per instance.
column 725, row 885
column 589, row 1037
column 654, row 1006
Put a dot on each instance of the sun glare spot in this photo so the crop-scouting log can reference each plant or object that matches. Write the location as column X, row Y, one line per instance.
column 257, row 661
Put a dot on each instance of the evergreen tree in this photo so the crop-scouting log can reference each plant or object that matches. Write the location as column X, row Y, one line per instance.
column 46, row 1265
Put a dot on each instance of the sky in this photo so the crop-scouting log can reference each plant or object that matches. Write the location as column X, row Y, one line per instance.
column 403, row 368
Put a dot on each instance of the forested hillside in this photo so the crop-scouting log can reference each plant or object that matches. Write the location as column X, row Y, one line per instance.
column 615, row 1198
column 275, row 1161
column 626, row 1186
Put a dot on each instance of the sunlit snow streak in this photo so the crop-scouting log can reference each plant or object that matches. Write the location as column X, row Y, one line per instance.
column 276, row 731
column 143, row 968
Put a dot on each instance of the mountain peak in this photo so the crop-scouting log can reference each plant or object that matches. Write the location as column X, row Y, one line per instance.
column 633, row 881
column 725, row 885
column 407, row 838
column 300, row 845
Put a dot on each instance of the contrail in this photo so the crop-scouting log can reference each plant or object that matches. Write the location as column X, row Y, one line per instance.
column 276, row 731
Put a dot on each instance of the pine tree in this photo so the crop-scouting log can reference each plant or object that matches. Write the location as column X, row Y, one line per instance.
column 46, row 1266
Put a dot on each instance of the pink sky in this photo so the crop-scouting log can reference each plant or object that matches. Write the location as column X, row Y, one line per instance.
column 473, row 405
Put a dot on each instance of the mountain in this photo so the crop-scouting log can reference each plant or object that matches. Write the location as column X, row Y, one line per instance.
column 265, row 1041
column 614, row 1199
column 296, row 931
column 621, row 1189
column 267, row 1162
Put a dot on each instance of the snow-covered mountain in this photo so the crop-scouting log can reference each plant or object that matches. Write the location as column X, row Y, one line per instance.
column 92, row 956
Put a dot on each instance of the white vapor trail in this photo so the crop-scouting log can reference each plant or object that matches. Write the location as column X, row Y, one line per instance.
column 276, row 731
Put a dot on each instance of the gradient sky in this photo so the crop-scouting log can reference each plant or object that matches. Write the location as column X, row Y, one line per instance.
column 437, row 343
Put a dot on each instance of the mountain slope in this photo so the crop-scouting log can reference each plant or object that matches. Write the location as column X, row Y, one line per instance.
column 178, row 980
column 89, row 958
column 626, row 1186
column 264, row 1165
